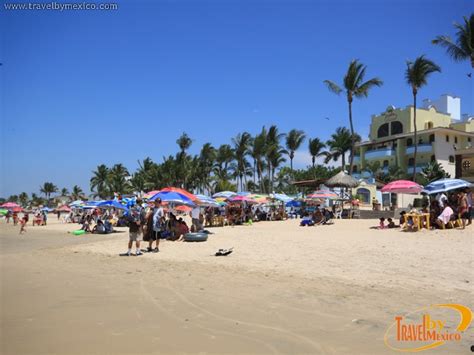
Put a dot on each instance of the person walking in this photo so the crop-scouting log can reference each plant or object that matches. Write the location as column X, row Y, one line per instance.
column 195, row 214
column 136, row 220
column 158, row 223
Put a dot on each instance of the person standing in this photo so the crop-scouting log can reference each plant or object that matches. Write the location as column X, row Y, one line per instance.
column 469, row 205
column 158, row 222
column 136, row 221
column 195, row 214
column 23, row 223
column 463, row 209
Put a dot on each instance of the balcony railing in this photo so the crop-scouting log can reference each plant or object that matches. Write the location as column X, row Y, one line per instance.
column 419, row 168
column 380, row 153
column 356, row 158
column 422, row 148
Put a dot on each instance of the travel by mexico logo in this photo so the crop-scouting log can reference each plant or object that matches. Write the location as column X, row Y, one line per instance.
column 428, row 328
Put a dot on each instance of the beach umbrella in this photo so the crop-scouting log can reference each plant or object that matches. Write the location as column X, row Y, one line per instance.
column 243, row 193
column 150, row 194
column 63, row 208
column 293, row 203
column 77, row 203
column 10, row 205
column 183, row 192
column 242, row 199
column 402, row 187
column 225, row 194
column 111, row 204
column 258, row 198
column 323, row 194
column 341, row 179
column 444, row 185
column 183, row 208
column 47, row 209
column 3, row 212
column 207, row 201
column 281, row 197
column 173, row 198
column 17, row 209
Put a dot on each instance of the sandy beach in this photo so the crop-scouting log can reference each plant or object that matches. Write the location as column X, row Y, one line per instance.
column 285, row 290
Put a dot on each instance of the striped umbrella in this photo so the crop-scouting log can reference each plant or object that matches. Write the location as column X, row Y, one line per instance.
column 444, row 185
column 322, row 194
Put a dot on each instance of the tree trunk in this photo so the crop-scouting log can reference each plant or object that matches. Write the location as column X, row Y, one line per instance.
column 313, row 160
column 343, row 159
column 351, row 161
column 416, row 135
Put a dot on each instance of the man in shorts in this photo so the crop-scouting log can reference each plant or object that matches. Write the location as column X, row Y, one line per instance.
column 135, row 226
column 158, row 222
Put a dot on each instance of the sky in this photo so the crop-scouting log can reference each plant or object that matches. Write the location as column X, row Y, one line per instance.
column 84, row 88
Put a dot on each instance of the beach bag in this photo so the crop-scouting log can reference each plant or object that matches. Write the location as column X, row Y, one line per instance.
column 79, row 232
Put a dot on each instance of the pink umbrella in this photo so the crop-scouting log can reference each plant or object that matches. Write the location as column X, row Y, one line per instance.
column 64, row 208
column 323, row 194
column 402, row 187
column 242, row 198
column 10, row 205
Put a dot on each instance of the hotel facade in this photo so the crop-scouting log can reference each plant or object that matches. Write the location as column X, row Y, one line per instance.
column 442, row 132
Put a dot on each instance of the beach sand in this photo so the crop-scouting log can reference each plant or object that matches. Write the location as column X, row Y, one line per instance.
column 285, row 290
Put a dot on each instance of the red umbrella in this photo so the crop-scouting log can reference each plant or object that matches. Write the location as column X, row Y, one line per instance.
column 17, row 209
column 64, row 208
column 402, row 187
column 183, row 208
column 242, row 198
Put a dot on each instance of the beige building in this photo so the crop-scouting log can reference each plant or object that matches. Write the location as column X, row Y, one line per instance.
column 391, row 138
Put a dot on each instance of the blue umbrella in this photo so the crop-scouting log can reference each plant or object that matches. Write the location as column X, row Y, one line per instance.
column 282, row 197
column 293, row 204
column 173, row 197
column 112, row 204
column 444, row 185
column 206, row 200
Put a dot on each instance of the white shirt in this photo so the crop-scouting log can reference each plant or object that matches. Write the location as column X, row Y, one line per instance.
column 441, row 198
column 195, row 213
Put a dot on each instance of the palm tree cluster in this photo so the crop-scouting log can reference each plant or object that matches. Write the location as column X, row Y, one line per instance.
column 248, row 163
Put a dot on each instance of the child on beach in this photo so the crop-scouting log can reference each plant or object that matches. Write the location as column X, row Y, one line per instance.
column 391, row 223
column 23, row 222
column 382, row 223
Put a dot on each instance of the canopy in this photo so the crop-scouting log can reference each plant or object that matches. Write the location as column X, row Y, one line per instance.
column 225, row 194
column 402, row 187
column 10, row 205
column 63, row 208
column 444, row 185
column 341, row 179
column 111, row 204
column 323, row 194
column 173, row 197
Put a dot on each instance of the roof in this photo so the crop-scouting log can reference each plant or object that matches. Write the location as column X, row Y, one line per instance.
column 309, row 183
column 402, row 135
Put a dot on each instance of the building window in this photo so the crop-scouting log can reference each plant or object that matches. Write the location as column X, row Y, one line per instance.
column 468, row 139
column 433, row 158
column 429, row 125
column 432, row 138
column 451, row 158
column 447, row 138
column 385, row 163
column 354, row 169
column 409, row 142
column 455, row 140
column 396, row 127
column 411, row 162
column 420, row 141
column 383, row 131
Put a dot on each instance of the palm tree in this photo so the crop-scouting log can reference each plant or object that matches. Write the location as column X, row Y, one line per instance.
column 339, row 144
column 258, row 154
column 294, row 139
column 434, row 171
column 276, row 157
column 64, row 192
column 315, row 149
column 117, row 179
column 272, row 148
column 77, row 193
column 374, row 168
column 354, row 86
column 184, row 142
column 207, row 158
column 241, row 150
column 47, row 189
column 222, row 171
column 23, row 198
column 99, row 181
column 416, row 76
column 463, row 47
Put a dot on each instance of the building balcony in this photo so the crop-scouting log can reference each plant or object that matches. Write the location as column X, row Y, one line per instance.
column 356, row 159
column 422, row 148
column 379, row 153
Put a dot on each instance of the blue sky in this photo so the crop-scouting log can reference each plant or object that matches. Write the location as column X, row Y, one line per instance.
column 81, row 88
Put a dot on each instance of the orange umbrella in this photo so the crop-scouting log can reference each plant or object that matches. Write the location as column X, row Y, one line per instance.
column 183, row 208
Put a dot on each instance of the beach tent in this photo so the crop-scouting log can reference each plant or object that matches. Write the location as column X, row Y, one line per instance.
column 444, row 185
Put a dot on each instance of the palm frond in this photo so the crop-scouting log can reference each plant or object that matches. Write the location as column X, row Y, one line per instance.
column 363, row 89
column 332, row 86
